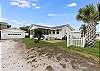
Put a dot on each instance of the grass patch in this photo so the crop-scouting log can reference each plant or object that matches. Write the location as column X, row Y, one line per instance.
column 30, row 43
column 93, row 52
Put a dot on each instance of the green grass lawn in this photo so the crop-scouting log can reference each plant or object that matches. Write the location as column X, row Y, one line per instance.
column 90, row 52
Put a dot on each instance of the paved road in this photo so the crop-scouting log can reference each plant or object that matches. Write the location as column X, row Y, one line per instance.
column 12, row 56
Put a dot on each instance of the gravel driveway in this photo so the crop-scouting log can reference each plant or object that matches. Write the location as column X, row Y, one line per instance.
column 14, row 57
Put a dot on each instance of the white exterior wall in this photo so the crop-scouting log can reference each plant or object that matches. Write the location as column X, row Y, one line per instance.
column 46, row 36
column 4, row 34
column 62, row 33
column 56, row 35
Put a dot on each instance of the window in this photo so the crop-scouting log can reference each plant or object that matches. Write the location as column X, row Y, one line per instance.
column 57, row 31
column 50, row 31
column 47, row 32
column 14, row 34
column 53, row 31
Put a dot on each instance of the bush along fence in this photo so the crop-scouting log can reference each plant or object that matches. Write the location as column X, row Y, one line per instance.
column 74, row 38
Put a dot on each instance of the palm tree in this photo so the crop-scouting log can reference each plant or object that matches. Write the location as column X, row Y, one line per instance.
column 89, row 15
column 83, row 30
column 98, row 6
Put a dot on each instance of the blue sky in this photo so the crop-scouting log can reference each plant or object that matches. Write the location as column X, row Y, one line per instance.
column 43, row 12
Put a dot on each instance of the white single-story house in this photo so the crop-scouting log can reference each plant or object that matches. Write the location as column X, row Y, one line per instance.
column 57, row 32
column 11, row 33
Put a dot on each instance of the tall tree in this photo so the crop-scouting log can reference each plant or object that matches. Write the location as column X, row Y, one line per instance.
column 4, row 25
column 25, row 28
column 89, row 14
column 98, row 7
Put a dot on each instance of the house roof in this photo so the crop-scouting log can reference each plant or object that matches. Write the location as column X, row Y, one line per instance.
column 3, row 23
column 13, row 30
column 56, row 27
column 40, row 26
column 61, row 26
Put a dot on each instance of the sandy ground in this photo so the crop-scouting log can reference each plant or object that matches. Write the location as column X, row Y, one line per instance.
column 14, row 57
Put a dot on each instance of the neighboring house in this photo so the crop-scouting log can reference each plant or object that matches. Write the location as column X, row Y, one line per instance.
column 12, row 33
column 57, row 32
column 6, row 32
column 26, row 29
column 4, row 25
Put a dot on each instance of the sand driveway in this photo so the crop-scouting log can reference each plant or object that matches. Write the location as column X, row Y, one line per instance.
column 14, row 57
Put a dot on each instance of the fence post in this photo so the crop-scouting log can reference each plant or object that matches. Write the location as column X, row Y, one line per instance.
column 68, row 39
column 83, row 41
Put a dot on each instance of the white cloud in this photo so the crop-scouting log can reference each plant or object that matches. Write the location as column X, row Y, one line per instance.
column 3, row 19
column 21, row 3
column 51, row 14
column 33, row 4
column 37, row 7
column 15, row 23
column 72, row 4
column 43, row 24
column 14, row 3
column 0, row 11
column 23, row 21
column 34, row 0
column 25, row 3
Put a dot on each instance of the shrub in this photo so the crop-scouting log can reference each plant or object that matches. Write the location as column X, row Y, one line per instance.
column 38, row 34
column 36, row 40
column 27, row 36
column 64, row 38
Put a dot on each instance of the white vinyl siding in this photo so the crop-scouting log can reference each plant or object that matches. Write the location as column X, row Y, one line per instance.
column 5, row 34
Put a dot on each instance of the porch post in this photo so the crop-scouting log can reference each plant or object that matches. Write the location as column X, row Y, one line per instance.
column 31, row 34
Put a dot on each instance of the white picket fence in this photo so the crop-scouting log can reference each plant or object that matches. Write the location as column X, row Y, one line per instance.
column 77, row 40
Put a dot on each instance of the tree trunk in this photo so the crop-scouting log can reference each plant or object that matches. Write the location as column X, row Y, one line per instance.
column 91, row 35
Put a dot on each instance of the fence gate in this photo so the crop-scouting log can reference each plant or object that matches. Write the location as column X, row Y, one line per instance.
column 74, row 38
